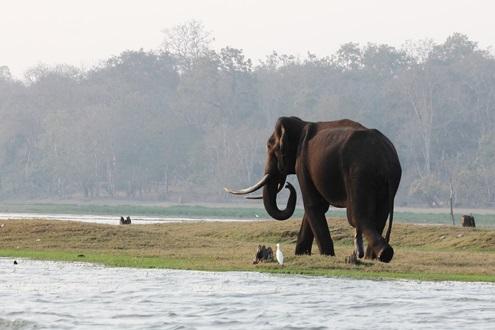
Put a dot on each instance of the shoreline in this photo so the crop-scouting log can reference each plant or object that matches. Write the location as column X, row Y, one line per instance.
column 232, row 204
column 174, row 265
column 484, row 218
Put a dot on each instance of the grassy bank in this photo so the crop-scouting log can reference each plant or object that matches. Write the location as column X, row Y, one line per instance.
column 197, row 211
column 422, row 252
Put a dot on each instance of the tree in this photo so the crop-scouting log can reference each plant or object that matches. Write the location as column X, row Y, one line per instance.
column 188, row 42
column 186, row 119
column 349, row 56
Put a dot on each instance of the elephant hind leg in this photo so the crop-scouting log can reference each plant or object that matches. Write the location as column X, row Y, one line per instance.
column 382, row 212
column 358, row 236
column 358, row 243
column 378, row 247
column 366, row 220
column 369, row 253
column 387, row 254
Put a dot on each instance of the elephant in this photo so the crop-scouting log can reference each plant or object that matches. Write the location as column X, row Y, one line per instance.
column 340, row 163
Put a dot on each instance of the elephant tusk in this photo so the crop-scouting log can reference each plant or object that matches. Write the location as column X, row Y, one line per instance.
column 251, row 189
column 280, row 187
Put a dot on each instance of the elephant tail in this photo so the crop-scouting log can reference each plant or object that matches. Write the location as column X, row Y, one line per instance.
column 391, row 195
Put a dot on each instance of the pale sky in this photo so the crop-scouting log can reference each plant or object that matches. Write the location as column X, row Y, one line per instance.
column 82, row 33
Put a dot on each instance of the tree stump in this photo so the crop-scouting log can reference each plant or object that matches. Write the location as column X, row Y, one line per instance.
column 468, row 221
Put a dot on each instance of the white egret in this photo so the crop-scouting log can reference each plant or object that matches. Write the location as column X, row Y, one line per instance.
column 279, row 255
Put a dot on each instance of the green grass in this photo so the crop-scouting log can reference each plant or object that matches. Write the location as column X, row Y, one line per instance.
column 170, row 263
column 421, row 252
column 482, row 220
column 99, row 258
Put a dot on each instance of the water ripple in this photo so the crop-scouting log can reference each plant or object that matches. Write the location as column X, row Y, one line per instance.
column 55, row 295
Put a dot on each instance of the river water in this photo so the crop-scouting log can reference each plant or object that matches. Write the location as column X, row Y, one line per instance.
column 58, row 295
column 112, row 220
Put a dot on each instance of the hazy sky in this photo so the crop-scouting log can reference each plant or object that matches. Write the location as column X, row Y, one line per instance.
column 82, row 33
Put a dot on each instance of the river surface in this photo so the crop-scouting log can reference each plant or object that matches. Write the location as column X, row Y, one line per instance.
column 111, row 220
column 58, row 295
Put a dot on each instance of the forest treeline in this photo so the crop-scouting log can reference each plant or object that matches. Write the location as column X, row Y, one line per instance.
column 180, row 122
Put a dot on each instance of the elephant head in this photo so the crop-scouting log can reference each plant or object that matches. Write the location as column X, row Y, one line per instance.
column 280, row 162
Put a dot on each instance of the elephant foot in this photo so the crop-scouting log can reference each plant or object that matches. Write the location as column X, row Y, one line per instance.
column 386, row 254
column 303, row 251
column 329, row 252
column 304, row 246
column 369, row 254
column 358, row 244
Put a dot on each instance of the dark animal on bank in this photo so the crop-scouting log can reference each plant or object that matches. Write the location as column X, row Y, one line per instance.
column 259, row 255
column 125, row 221
column 339, row 163
column 269, row 254
column 263, row 254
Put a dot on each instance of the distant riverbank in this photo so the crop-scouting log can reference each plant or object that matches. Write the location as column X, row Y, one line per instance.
column 249, row 210
column 422, row 252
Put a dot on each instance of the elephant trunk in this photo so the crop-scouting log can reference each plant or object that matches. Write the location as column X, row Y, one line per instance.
column 270, row 191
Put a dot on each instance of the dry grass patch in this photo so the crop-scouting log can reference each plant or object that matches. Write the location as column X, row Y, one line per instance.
column 422, row 251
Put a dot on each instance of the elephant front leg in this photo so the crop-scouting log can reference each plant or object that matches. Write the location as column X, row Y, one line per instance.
column 305, row 238
column 319, row 226
column 315, row 207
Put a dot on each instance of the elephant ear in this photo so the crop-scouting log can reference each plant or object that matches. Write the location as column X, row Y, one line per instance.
column 283, row 139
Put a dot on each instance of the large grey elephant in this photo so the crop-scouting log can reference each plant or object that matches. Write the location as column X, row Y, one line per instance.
column 339, row 163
